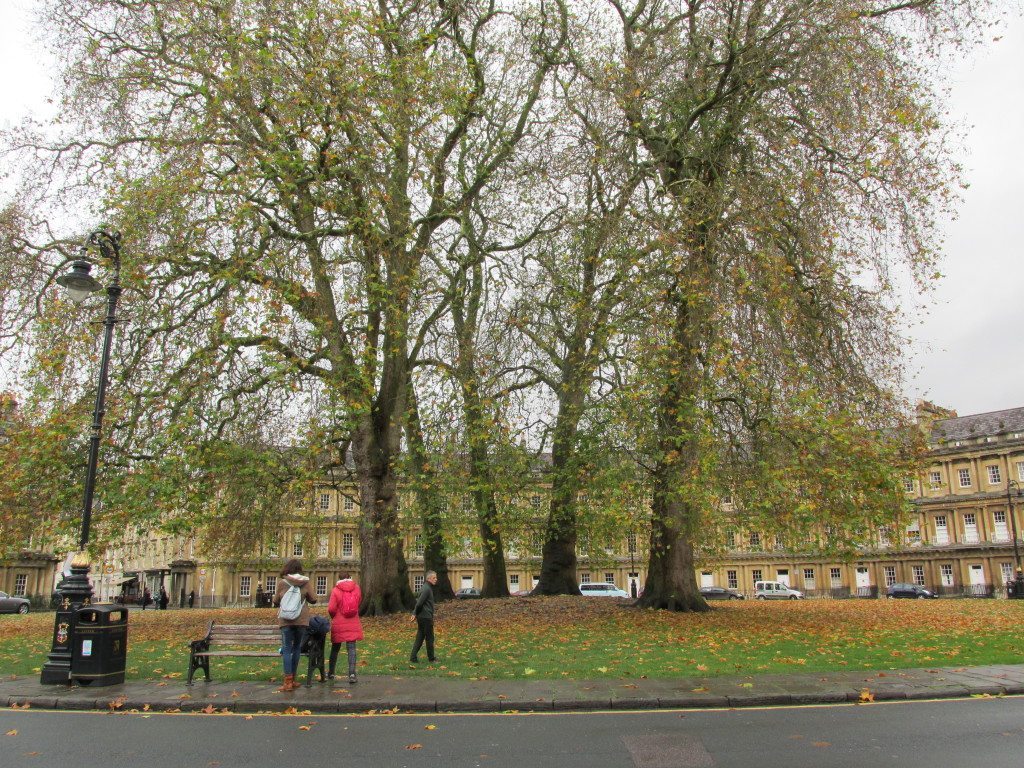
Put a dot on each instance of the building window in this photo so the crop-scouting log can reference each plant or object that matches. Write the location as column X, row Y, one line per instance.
column 467, row 504
column 20, row 584
column 970, row 528
column 609, row 578
column 730, row 539
column 835, row 578
column 321, row 546
column 809, row 578
column 346, row 544
column 947, row 574
column 755, row 540
column 908, row 485
column 417, row 583
column 918, row 575
column 513, row 582
column 631, row 543
column 935, row 479
column 890, row 575
column 245, row 586
column 349, row 504
column 994, row 478
column 965, row 477
column 732, row 580
column 535, row 502
column 999, row 532
column 418, row 545
column 1007, row 569
column 321, row 586
column 941, row 530
column 325, row 501
column 297, row 548
column 755, row 574
column 1020, row 470
column 271, row 585
column 584, row 578
column 272, row 549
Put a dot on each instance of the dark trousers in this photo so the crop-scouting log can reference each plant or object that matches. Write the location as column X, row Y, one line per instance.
column 424, row 631
column 351, row 649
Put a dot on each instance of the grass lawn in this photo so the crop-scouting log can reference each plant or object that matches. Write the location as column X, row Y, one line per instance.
column 591, row 638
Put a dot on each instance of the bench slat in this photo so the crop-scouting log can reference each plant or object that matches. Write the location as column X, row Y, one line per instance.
column 266, row 654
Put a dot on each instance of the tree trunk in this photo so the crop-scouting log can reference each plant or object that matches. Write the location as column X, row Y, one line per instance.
column 383, row 572
column 671, row 578
column 493, row 550
column 558, row 562
column 435, row 556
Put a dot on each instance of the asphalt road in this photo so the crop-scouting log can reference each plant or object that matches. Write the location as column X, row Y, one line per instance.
column 988, row 732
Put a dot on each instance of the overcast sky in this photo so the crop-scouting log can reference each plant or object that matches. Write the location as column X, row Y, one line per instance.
column 969, row 346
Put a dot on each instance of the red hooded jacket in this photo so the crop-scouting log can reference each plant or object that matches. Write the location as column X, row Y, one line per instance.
column 344, row 629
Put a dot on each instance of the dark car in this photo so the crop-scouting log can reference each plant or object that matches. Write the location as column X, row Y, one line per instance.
column 913, row 591
column 467, row 593
column 10, row 604
column 720, row 593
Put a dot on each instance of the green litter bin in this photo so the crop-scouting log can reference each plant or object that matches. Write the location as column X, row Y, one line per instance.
column 100, row 645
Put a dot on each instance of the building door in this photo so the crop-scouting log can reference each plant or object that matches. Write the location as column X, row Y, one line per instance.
column 707, row 579
column 467, row 582
column 977, row 575
column 782, row 576
column 863, row 577
column 941, row 530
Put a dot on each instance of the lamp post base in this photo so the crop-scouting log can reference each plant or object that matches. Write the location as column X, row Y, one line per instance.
column 1015, row 588
column 74, row 591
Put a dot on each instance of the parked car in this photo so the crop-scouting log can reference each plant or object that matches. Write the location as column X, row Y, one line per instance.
column 467, row 593
column 9, row 604
column 602, row 590
column 913, row 591
column 775, row 590
column 720, row 593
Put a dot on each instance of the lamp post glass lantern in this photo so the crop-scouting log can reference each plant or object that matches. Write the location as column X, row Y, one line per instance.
column 74, row 590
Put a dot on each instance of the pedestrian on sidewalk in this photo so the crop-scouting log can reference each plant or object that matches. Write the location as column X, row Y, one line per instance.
column 423, row 615
column 293, row 627
column 164, row 599
column 147, row 597
column 345, row 624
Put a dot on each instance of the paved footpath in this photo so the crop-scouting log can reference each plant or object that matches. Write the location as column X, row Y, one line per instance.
column 429, row 694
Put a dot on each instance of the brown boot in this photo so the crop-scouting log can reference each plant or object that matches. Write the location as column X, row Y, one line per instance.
column 289, row 684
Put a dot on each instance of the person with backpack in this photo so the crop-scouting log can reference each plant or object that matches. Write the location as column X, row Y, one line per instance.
column 345, row 625
column 293, row 595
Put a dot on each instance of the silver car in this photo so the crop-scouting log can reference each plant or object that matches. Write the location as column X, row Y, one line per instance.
column 10, row 604
column 776, row 590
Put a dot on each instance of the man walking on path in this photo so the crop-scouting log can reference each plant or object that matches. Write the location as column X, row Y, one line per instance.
column 423, row 615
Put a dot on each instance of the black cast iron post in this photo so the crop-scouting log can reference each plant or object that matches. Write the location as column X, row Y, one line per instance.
column 74, row 591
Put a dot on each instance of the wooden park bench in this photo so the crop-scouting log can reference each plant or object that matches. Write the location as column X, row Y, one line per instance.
column 239, row 639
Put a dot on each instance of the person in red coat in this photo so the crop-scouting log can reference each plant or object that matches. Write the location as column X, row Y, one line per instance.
column 345, row 625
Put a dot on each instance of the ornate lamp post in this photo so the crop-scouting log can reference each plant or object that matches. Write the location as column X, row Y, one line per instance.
column 1017, row 589
column 74, row 591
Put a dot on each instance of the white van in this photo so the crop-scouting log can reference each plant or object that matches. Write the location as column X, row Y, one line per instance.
column 600, row 589
column 775, row 590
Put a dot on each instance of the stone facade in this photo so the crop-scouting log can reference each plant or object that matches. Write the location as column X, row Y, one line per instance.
column 959, row 540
